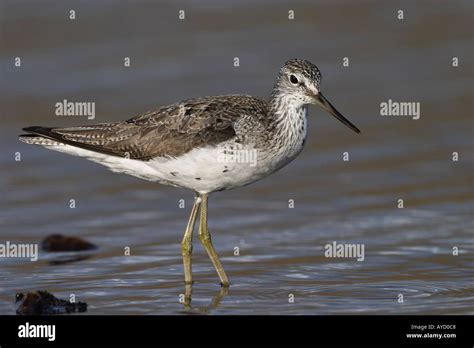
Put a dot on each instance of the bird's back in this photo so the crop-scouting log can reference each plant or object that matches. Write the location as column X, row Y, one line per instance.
column 168, row 131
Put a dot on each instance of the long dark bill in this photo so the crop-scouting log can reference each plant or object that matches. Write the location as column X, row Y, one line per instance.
column 326, row 105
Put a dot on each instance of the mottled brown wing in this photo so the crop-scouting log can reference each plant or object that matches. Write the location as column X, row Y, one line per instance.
column 167, row 132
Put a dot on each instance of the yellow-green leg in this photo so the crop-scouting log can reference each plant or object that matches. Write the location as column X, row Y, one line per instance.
column 205, row 238
column 187, row 243
column 188, row 292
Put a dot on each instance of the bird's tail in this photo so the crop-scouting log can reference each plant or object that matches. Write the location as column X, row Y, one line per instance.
column 38, row 136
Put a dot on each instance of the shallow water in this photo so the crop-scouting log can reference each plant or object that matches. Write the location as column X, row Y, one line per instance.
column 407, row 251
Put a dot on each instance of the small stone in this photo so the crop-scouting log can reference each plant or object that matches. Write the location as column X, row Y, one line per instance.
column 58, row 242
column 44, row 303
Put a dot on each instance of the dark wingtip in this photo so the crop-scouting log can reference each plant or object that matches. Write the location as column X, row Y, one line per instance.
column 32, row 129
column 38, row 130
column 35, row 131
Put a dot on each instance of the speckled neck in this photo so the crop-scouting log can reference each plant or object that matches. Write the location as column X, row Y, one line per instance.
column 288, row 116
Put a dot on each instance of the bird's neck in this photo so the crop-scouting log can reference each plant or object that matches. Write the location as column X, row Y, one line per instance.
column 286, row 110
column 288, row 116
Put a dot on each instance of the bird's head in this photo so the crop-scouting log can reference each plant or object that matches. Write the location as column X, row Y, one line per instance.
column 300, row 82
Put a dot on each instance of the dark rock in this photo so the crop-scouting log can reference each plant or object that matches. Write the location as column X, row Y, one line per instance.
column 43, row 302
column 58, row 242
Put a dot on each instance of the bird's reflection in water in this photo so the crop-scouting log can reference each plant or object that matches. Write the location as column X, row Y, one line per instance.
column 215, row 303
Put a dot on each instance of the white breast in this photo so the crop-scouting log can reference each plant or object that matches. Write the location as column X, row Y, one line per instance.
column 206, row 169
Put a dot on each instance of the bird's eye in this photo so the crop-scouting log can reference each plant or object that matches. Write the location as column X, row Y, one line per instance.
column 293, row 79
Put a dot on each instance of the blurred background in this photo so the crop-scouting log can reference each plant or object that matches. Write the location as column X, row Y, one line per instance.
column 407, row 251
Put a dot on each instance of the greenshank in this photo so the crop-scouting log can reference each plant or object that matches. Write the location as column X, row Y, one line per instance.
column 202, row 144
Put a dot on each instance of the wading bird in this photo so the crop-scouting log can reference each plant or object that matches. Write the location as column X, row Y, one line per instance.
column 182, row 144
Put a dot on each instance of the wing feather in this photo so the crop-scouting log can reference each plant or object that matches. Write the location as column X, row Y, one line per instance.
column 169, row 131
